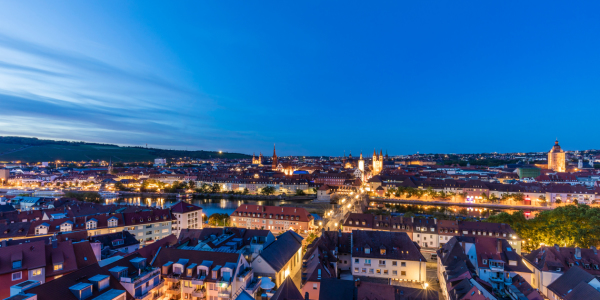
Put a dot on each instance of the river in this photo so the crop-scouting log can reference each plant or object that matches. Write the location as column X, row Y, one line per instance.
column 227, row 206
column 209, row 206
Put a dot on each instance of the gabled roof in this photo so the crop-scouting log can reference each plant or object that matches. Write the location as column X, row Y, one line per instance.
column 184, row 207
column 31, row 255
column 287, row 291
column 569, row 280
column 278, row 253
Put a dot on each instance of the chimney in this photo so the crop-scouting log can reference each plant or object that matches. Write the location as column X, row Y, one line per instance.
column 594, row 249
column 499, row 246
column 434, row 220
column 54, row 242
column 502, row 226
column 577, row 253
column 339, row 233
column 357, row 282
column 306, row 296
column 556, row 247
column 412, row 219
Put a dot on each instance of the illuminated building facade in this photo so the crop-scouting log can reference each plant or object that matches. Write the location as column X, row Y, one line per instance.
column 377, row 162
column 557, row 159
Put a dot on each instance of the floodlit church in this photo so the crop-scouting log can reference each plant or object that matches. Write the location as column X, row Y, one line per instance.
column 557, row 158
column 377, row 162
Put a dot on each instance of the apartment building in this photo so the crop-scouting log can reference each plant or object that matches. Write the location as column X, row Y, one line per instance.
column 274, row 218
column 148, row 225
column 323, row 259
column 34, row 263
column 249, row 242
column 195, row 275
column 185, row 215
column 125, row 279
column 482, row 265
column 548, row 263
column 389, row 255
column 429, row 232
column 280, row 259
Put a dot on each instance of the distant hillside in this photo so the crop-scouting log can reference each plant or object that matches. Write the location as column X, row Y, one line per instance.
column 35, row 150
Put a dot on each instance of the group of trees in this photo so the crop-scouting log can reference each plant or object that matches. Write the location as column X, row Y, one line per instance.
column 217, row 219
column 429, row 193
column 567, row 226
column 267, row 191
column 93, row 197
column 206, row 188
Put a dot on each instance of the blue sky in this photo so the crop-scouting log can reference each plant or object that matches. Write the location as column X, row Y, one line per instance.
column 314, row 77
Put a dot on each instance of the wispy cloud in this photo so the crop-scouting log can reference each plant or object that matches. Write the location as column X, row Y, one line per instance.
column 56, row 93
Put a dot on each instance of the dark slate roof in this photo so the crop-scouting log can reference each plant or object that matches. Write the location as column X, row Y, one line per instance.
column 7, row 208
column 337, row 289
column 583, row 291
column 569, row 280
column 84, row 254
column 287, row 291
column 397, row 245
column 278, row 253
column 50, row 289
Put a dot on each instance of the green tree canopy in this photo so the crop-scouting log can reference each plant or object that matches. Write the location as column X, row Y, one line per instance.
column 567, row 226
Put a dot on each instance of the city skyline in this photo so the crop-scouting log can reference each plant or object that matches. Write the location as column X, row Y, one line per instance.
column 412, row 77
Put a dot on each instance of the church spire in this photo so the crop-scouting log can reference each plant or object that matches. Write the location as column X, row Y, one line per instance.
column 361, row 154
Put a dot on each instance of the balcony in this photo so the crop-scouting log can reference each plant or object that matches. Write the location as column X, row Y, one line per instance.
column 224, row 293
column 200, row 293
column 253, row 286
column 174, row 290
column 497, row 279
column 245, row 274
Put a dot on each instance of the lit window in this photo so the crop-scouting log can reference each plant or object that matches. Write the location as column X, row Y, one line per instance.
column 58, row 267
column 36, row 272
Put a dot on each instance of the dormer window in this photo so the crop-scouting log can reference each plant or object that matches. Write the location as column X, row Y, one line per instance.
column 90, row 224
column 17, row 264
column 367, row 250
column 484, row 261
column 382, row 251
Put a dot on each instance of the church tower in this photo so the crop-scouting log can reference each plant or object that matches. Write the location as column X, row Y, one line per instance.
column 377, row 162
column 557, row 158
column 361, row 163
column 274, row 166
column 110, row 167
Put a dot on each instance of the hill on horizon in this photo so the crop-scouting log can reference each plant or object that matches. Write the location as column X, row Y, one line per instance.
column 25, row 149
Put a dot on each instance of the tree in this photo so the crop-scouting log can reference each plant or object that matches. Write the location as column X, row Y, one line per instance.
column 484, row 196
column 215, row 188
column 119, row 186
column 217, row 219
column 246, row 191
column 518, row 197
column 315, row 190
column 192, row 184
column 567, row 226
column 300, row 193
column 93, row 197
column 493, row 198
column 268, row 190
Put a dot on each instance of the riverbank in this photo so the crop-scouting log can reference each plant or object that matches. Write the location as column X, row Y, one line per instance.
column 220, row 196
column 463, row 204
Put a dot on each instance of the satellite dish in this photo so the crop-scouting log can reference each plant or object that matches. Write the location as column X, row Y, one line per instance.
column 266, row 283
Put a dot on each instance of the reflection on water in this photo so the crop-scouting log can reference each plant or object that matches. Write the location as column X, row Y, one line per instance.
column 209, row 206
column 227, row 206
column 454, row 210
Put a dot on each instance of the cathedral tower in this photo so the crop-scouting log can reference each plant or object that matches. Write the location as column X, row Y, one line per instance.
column 274, row 166
column 377, row 162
